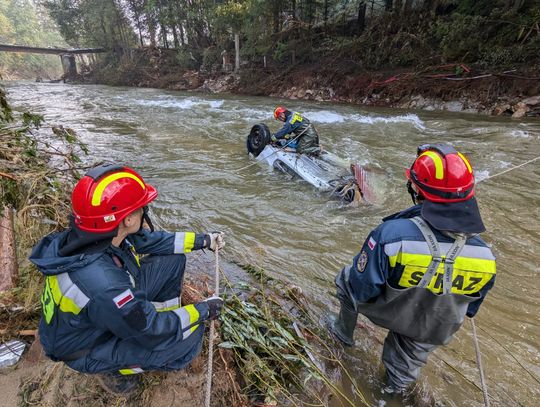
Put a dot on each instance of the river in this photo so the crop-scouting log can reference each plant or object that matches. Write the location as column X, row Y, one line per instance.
column 192, row 148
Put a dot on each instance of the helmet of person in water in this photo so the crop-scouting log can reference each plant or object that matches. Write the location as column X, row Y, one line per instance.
column 278, row 111
column 106, row 195
column 443, row 179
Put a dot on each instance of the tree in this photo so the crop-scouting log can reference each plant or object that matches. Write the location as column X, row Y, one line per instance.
column 98, row 23
column 24, row 23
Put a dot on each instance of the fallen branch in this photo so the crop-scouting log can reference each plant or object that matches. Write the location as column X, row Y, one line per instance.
column 3, row 174
column 24, row 332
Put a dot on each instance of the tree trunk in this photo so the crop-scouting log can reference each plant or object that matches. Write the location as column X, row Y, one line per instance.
column 407, row 8
column 518, row 4
column 431, row 5
column 361, row 20
column 164, row 35
column 175, row 37
column 152, row 31
column 388, row 5
column 140, row 32
column 325, row 13
column 312, row 10
column 275, row 17
column 9, row 270
column 182, row 39
column 237, row 52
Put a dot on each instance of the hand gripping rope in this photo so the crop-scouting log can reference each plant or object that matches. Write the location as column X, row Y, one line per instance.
column 211, row 337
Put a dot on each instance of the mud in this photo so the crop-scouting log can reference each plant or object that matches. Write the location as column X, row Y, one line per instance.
column 452, row 87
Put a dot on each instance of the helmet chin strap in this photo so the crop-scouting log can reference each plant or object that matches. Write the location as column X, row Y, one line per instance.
column 146, row 218
column 412, row 192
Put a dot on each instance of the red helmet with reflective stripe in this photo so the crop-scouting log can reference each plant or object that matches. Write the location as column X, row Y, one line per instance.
column 442, row 174
column 278, row 110
column 106, row 195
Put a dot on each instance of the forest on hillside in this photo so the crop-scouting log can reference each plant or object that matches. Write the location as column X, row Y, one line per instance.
column 370, row 34
column 25, row 22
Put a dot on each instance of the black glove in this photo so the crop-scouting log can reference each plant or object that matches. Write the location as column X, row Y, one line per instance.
column 214, row 306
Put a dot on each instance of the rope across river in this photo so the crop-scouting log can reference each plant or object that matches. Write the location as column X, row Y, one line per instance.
column 509, row 169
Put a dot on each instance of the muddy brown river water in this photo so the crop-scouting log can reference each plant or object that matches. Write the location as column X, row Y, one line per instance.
column 192, row 148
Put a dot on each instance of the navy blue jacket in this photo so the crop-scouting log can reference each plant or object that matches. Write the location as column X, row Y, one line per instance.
column 92, row 297
column 396, row 252
column 294, row 123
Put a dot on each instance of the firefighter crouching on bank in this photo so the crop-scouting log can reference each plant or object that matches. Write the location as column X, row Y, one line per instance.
column 106, row 310
column 423, row 269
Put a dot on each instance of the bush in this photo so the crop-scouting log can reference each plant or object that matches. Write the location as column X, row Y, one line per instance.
column 282, row 52
column 188, row 58
column 459, row 37
column 211, row 58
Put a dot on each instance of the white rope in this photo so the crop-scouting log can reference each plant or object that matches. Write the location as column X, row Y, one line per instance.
column 509, row 169
column 479, row 363
column 211, row 338
column 280, row 149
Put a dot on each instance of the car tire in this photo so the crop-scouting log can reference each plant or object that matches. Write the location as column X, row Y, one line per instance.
column 258, row 138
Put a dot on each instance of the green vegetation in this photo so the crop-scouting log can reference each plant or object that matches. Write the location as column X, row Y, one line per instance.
column 38, row 166
column 286, row 357
column 362, row 34
column 23, row 22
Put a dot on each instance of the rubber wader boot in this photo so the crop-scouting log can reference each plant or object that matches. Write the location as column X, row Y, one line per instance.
column 343, row 326
column 118, row 384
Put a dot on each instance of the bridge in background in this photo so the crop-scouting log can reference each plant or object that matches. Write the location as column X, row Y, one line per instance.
column 67, row 56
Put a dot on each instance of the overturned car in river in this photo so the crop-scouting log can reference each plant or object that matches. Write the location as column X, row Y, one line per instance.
column 325, row 171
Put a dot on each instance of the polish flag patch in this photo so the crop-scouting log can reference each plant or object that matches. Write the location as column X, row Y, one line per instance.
column 124, row 298
column 371, row 243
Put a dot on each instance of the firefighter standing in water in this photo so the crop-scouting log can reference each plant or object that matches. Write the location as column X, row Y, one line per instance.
column 106, row 310
column 422, row 270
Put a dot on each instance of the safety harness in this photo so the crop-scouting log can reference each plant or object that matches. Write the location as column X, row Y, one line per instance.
column 448, row 259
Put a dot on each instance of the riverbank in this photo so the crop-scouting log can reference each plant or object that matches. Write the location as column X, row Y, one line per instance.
column 451, row 87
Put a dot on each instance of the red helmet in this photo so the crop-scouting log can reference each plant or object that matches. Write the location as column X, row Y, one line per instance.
column 278, row 110
column 442, row 174
column 106, row 195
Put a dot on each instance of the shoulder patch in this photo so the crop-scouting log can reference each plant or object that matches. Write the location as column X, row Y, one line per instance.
column 371, row 243
column 361, row 263
column 122, row 299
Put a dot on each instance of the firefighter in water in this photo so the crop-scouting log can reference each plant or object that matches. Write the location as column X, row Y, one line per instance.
column 298, row 128
column 106, row 310
column 422, row 270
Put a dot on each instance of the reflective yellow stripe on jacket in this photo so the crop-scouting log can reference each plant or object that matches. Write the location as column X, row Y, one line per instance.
column 296, row 118
column 188, row 315
column 184, row 242
column 473, row 268
column 60, row 291
column 168, row 305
